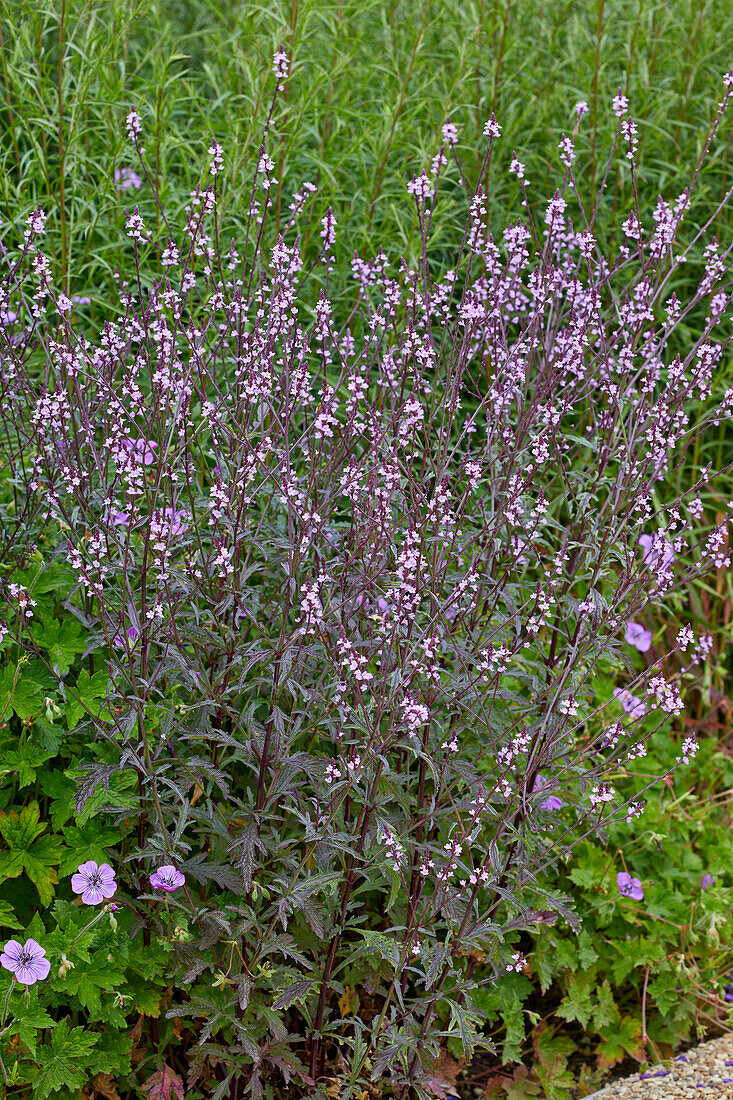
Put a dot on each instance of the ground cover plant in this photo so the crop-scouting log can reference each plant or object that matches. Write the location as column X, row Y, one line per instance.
column 332, row 645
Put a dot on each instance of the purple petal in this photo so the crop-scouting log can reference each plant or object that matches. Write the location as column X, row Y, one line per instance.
column 11, row 954
column 92, row 896
column 88, row 868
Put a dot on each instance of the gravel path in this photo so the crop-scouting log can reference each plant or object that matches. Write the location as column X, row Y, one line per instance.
column 706, row 1071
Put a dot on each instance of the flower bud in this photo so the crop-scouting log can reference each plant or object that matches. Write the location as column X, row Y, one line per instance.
column 65, row 967
column 52, row 710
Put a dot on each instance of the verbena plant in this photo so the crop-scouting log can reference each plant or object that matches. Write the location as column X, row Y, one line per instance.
column 346, row 719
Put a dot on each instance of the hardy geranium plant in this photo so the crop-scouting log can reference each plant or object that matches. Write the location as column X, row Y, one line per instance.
column 354, row 566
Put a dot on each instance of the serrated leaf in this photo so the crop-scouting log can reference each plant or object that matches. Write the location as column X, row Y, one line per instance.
column 577, row 1002
column 93, row 775
column 64, row 642
column 88, row 982
column 63, row 1060
column 24, row 760
column 8, row 918
column 605, row 1011
column 27, row 1019
column 295, row 992
column 21, row 695
column 88, row 694
column 28, row 851
column 623, row 1037
column 161, row 1084
column 89, row 841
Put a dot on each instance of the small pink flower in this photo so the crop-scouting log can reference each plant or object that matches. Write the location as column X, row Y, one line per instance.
column 125, row 178
column 119, row 641
column 142, row 450
column 167, row 878
column 637, row 635
column 94, row 883
column 658, row 553
column 631, row 703
column 629, row 887
column 27, row 962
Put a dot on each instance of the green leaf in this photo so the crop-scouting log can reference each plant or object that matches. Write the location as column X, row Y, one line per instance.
column 551, row 1067
column 111, row 1054
column 592, row 868
column 89, row 690
column 8, row 918
column 64, row 1060
column 20, row 828
column 623, row 1037
column 24, row 760
column 605, row 1011
column 62, row 792
column 63, row 641
column 27, row 1020
column 88, row 982
column 586, row 952
column 28, row 851
column 47, row 734
column 24, row 698
column 577, row 1003
column 514, row 1022
column 86, row 842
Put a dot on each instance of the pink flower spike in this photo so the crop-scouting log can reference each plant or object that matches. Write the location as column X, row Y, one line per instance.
column 167, row 878
column 27, row 962
column 94, row 883
column 638, row 636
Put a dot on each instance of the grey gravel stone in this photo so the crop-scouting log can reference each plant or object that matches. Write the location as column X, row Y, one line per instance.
column 705, row 1071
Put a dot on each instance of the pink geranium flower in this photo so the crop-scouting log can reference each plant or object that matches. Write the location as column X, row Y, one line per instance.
column 94, row 883
column 636, row 635
column 167, row 878
column 629, row 887
column 27, row 962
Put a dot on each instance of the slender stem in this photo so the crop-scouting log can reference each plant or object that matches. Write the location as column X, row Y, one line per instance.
column 62, row 182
